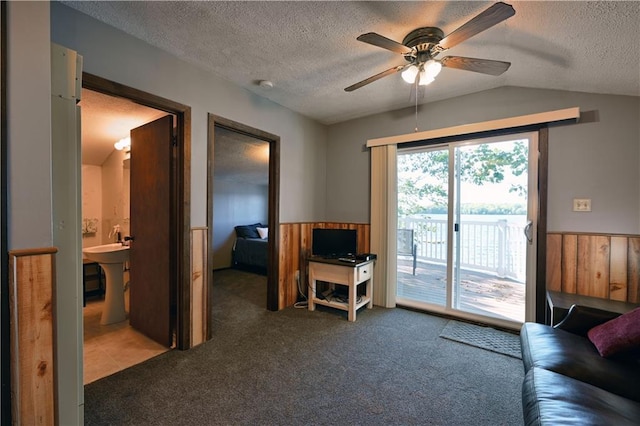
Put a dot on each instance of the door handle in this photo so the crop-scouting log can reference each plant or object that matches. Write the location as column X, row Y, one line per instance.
column 527, row 231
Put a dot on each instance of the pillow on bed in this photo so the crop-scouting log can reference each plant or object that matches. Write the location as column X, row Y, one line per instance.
column 247, row 231
column 263, row 232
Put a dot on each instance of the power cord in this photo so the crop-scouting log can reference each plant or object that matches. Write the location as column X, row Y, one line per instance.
column 333, row 296
column 304, row 304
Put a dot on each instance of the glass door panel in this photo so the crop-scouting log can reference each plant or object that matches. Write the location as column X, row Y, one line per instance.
column 490, row 210
column 423, row 192
column 462, row 210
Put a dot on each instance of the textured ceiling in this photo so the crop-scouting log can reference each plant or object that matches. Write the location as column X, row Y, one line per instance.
column 310, row 52
column 106, row 120
column 240, row 158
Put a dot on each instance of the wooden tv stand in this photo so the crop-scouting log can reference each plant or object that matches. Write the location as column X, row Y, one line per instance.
column 348, row 274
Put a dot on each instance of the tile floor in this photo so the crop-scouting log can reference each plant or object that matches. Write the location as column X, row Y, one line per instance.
column 111, row 348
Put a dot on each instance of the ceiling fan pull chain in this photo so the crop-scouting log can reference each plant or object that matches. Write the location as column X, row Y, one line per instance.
column 416, row 87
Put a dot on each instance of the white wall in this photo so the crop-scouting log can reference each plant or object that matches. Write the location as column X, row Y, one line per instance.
column 235, row 203
column 597, row 159
column 92, row 202
column 114, row 198
column 112, row 54
column 105, row 196
column 29, row 125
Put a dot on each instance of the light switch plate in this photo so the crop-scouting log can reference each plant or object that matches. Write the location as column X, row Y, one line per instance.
column 582, row 204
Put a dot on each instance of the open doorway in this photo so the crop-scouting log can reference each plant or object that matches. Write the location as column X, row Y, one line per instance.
column 174, row 118
column 252, row 162
column 111, row 342
column 240, row 202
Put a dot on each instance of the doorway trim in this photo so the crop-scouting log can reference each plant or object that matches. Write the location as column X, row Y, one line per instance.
column 183, row 189
column 273, row 281
column 450, row 306
column 383, row 164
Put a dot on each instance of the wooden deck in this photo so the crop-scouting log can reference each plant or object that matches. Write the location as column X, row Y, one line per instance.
column 480, row 293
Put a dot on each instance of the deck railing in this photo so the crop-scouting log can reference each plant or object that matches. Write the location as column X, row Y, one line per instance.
column 498, row 247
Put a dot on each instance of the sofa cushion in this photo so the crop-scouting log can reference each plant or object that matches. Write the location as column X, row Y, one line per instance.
column 575, row 356
column 618, row 335
column 550, row 398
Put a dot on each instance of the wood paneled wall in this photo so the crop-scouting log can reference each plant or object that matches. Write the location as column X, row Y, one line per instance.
column 32, row 308
column 598, row 265
column 199, row 294
column 295, row 246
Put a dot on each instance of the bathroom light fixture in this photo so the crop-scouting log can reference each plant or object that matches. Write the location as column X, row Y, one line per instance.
column 123, row 144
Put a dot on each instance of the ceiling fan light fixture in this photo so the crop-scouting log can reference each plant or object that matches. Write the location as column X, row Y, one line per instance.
column 425, row 79
column 432, row 68
column 409, row 75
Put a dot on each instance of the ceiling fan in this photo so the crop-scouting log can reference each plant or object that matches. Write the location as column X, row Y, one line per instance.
column 421, row 47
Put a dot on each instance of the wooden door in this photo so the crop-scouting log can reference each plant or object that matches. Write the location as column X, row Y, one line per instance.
column 151, row 255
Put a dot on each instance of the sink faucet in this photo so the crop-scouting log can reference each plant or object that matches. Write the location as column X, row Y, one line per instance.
column 115, row 232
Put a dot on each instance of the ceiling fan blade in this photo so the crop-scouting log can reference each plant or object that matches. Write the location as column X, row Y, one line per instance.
column 386, row 43
column 484, row 66
column 374, row 78
column 490, row 17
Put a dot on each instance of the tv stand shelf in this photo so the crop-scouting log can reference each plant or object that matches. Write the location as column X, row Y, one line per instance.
column 344, row 273
column 342, row 305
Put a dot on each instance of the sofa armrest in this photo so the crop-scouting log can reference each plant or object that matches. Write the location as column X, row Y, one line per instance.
column 580, row 319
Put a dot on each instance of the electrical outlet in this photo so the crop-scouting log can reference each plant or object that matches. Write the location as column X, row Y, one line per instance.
column 582, row 204
column 297, row 275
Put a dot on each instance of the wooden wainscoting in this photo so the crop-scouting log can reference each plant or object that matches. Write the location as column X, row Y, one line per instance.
column 598, row 265
column 32, row 308
column 295, row 246
column 199, row 286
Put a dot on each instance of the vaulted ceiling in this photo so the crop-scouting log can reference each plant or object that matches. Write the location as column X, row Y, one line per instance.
column 308, row 49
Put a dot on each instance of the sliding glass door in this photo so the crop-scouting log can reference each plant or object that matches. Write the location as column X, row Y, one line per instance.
column 423, row 225
column 467, row 207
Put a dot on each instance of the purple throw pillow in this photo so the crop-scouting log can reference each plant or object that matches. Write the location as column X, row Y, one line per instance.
column 617, row 335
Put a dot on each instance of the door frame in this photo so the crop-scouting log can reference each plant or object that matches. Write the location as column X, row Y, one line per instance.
column 532, row 215
column 538, row 293
column 182, row 200
column 273, row 275
column 5, row 354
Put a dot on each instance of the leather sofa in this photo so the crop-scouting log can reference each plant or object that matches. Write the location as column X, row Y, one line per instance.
column 568, row 382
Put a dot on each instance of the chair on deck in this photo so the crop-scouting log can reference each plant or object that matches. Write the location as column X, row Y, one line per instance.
column 406, row 246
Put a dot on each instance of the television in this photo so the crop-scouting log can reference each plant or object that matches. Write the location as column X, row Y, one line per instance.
column 334, row 242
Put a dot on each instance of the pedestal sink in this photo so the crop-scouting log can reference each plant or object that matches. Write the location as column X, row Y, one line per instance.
column 111, row 258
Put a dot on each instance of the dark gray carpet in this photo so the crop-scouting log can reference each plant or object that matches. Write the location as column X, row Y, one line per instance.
column 296, row 367
column 483, row 337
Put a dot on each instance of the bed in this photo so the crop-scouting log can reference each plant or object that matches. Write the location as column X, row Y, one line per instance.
column 250, row 249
